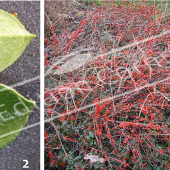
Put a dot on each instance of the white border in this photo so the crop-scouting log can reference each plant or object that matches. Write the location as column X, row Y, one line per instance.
column 41, row 84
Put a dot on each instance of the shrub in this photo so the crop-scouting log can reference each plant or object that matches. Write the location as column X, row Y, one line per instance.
column 114, row 104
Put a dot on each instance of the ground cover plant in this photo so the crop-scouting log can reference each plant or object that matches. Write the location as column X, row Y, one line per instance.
column 14, row 108
column 107, row 87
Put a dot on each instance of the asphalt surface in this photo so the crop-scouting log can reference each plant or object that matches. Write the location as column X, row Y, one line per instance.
column 27, row 145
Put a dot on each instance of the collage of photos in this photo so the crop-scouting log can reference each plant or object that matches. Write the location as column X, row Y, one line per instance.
column 85, row 84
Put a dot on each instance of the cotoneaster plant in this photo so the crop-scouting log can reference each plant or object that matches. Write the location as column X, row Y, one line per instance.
column 14, row 108
column 115, row 109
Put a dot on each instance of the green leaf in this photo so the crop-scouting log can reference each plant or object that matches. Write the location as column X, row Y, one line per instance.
column 132, row 113
column 78, row 157
column 127, row 155
column 96, row 166
column 14, row 112
column 91, row 134
column 164, row 157
column 91, row 142
column 135, row 166
column 158, row 168
column 14, row 38
column 64, row 122
column 159, row 147
column 94, row 152
column 90, row 112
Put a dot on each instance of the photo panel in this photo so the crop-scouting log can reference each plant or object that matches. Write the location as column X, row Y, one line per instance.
column 19, row 85
column 107, row 85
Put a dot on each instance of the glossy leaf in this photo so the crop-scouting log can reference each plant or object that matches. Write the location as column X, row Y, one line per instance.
column 14, row 112
column 91, row 134
column 14, row 38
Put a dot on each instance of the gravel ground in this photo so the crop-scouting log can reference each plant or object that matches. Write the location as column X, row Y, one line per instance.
column 27, row 144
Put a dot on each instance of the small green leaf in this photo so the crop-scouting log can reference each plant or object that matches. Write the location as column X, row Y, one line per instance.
column 94, row 152
column 135, row 166
column 90, row 112
column 159, row 147
column 64, row 122
column 78, row 157
column 127, row 155
column 91, row 134
column 164, row 157
column 132, row 113
column 14, row 38
column 96, row 166
column 91, row 142
column 158, row 168
column 14, row 112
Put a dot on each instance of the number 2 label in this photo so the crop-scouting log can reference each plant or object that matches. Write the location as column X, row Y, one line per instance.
column 26, row 164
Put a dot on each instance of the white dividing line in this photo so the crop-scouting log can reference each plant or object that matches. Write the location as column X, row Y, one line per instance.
column 42, row 85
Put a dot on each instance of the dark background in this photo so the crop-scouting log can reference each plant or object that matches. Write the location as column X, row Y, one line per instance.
column 27, row 144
